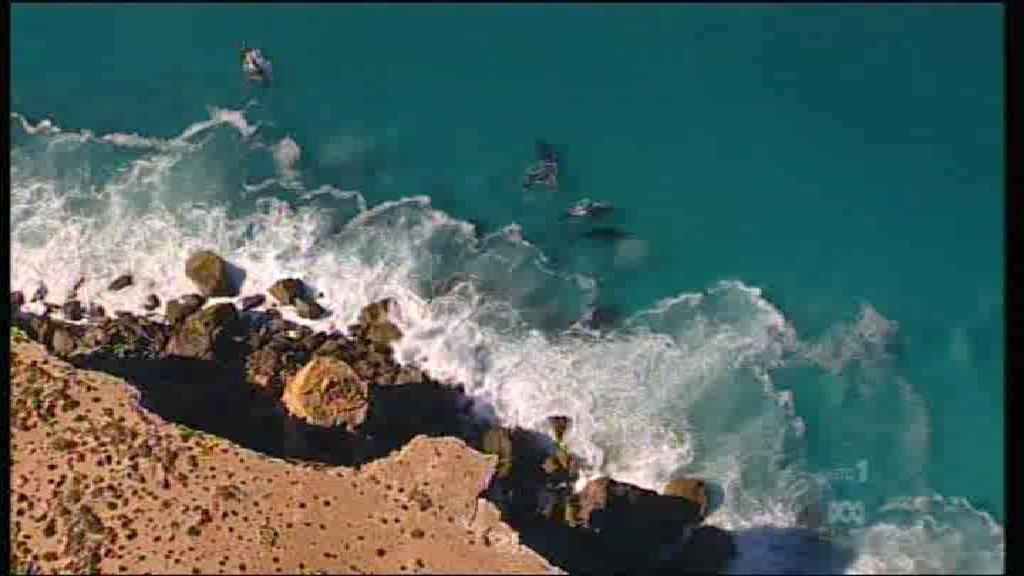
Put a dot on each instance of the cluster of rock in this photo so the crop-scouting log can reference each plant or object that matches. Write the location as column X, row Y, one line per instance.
column 352, row 386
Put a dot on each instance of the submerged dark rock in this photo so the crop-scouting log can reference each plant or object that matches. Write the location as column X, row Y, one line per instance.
column 40, row 293
column 252, row 302
column 607, row 233
column 309, row 309
column 121, row 282
column 288, row 290
column 73, row 310
column 152, row 302
column 17, row 300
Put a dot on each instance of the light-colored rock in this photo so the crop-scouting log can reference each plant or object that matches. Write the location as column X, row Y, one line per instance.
column 327, row 392
column 210, row 273
column 287, row 290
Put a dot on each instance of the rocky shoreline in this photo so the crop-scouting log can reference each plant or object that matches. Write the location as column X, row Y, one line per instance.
column 240, row 371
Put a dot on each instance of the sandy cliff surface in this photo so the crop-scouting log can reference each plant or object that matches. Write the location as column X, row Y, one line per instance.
column 100, row 483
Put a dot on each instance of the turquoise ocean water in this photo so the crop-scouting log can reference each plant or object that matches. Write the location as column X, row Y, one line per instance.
column 811, row 307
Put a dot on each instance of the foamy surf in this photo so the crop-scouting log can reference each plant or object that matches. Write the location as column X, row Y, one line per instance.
column 685, row 386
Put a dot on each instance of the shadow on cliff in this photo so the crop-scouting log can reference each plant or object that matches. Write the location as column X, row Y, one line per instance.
column 213, row 397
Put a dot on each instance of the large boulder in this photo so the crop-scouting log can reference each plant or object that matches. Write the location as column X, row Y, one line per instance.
column 204, row 333
column 210, row 273
column 328, row 393
column 691, row 490
column 287, row 290
column 375, row 326
column 633, row 523
column 375, row 312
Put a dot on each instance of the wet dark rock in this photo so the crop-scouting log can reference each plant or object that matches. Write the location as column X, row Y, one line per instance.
column 287, row 291
column 151, row 303
column 17, row 300
column 40, row 294
column 205, row 333
column 121, row 282
column 96, row 311
column 559, row 426
column 309, row 309
column 251, row 302
column 73, row 310
column 607, row 233
column 278, row 325
column 210, row 273
column 708, row 550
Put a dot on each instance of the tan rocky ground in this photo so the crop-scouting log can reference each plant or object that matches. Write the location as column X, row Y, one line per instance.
column 99, row 483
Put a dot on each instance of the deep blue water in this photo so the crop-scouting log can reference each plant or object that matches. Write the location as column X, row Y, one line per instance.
column 845, row 160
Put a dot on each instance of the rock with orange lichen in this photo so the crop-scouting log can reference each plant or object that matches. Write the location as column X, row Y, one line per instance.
column 327, row 392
